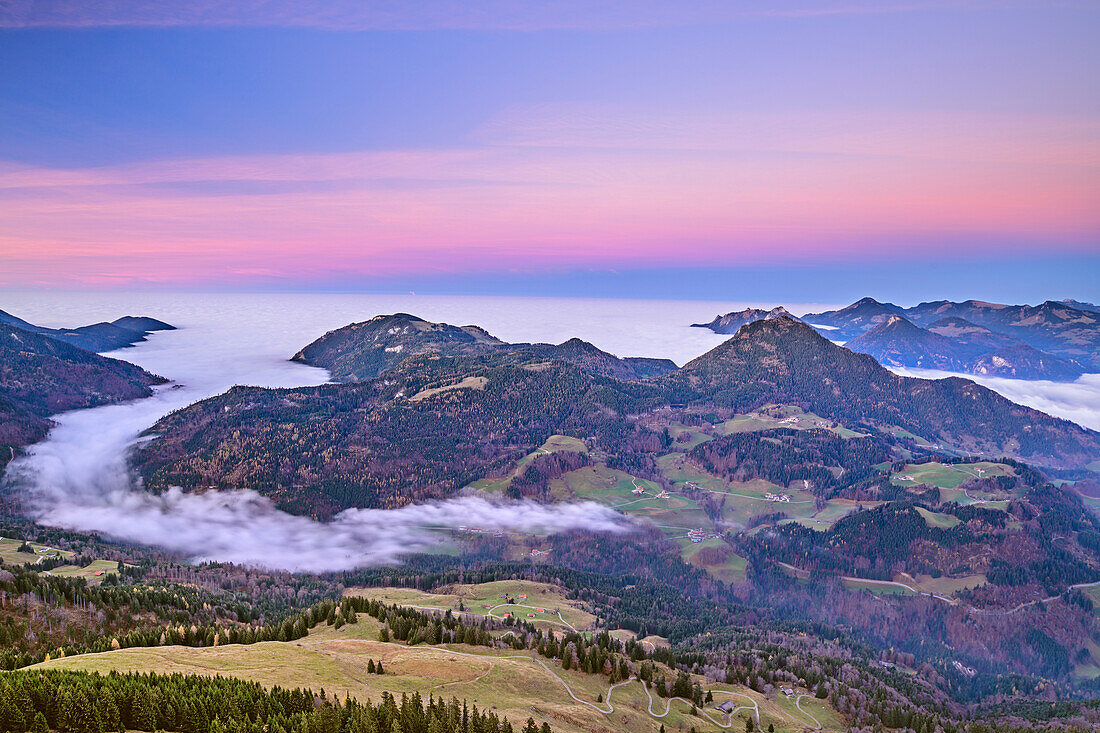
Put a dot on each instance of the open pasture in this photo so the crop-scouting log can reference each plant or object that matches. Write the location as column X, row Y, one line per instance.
column 715, row 557
column 9, row 552
column 792, row 417
column 948, row 475
column 674, row 513
column 94, row 572
column 936, row 519
column 513, row 684
column 741, row 501
column 491, row 599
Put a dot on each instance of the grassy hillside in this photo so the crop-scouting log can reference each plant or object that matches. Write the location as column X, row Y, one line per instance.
column 509, row 683
column 492, row 599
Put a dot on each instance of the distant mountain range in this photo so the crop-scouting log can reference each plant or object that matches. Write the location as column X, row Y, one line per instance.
column 956, row 345
column 1081, row 305
column 1053, row 340
column 731, row 322
column 97, row 337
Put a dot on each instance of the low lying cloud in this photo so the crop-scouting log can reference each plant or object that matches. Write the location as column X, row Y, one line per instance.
column 1078, row 401
column 78, row 479
column 245, row 528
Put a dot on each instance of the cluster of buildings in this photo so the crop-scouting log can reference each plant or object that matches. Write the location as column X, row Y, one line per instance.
column 784, row 498
column 539, row 553
column 700, row 534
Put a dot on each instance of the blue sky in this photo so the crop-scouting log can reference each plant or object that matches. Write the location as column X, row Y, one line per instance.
column 572, row 146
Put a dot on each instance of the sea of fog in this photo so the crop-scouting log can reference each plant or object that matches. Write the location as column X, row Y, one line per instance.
column 77, row 478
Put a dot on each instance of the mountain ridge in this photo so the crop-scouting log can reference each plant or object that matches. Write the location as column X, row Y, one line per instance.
column 41, row 376
column 364, row 350
column 379, row 441
column 730, row 322
column 95, row 337
column 956, row 345
column 786, row 360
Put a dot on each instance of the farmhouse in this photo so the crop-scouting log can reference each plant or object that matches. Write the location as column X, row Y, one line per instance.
column 638, row 490
column 726, row 707
column 662, row 495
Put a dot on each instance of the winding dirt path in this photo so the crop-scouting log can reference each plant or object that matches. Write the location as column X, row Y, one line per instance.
column 606, row 707
column 798, row 704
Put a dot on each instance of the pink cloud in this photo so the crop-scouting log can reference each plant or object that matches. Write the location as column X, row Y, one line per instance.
column 569, row 188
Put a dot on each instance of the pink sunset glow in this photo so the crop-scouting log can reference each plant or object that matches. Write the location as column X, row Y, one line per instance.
column 545, row 190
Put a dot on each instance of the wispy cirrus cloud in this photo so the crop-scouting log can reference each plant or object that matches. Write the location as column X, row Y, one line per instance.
column 525, row 15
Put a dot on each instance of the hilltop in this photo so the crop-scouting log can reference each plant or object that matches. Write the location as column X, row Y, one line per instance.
column 852, row 320
column 421, row 432
column 783, row 360
column 362, row 351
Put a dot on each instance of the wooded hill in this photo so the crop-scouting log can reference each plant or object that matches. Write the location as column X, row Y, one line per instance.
column 785, row 361
column 435, row 422
column 42, row 376
column 362, row 351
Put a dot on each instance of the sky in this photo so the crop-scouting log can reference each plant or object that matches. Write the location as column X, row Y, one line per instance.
column 790, row 150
